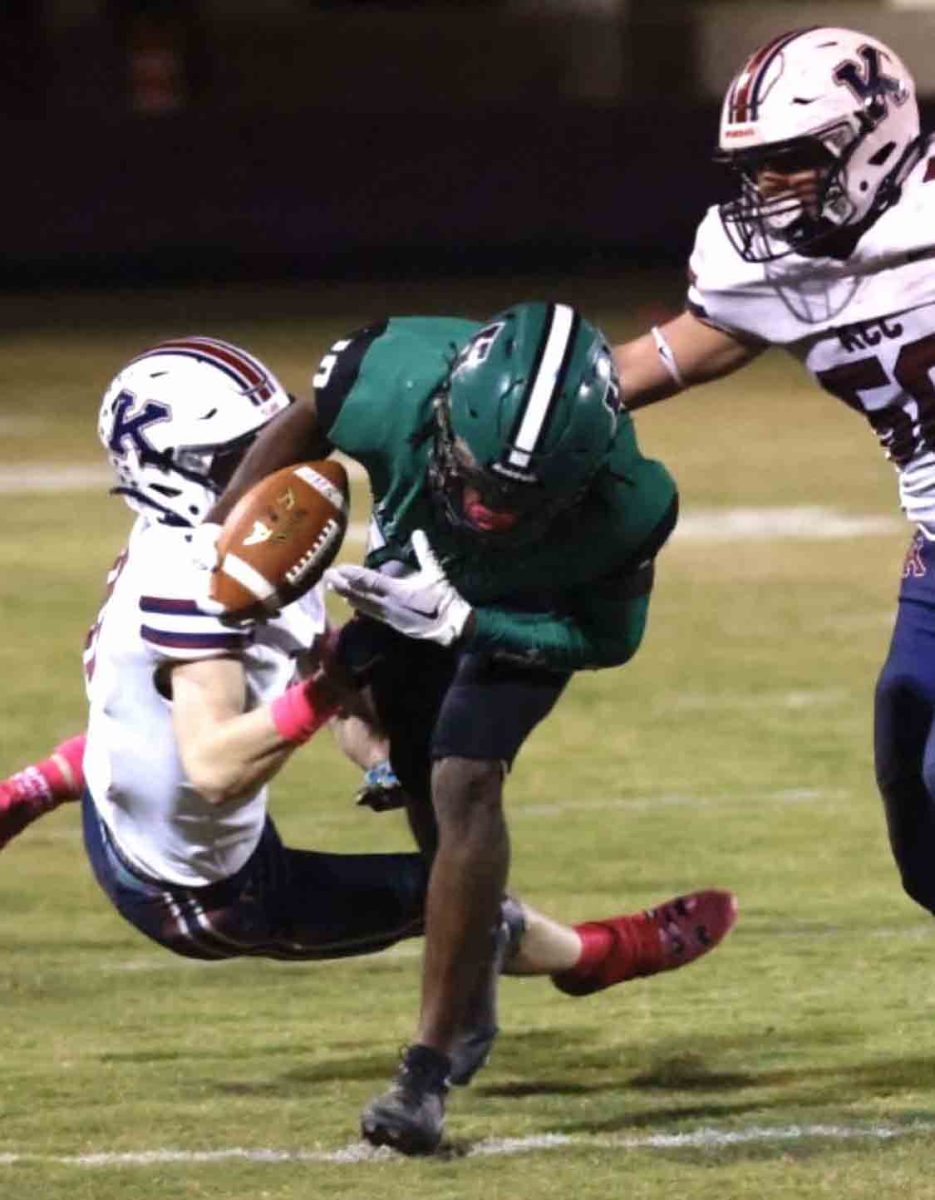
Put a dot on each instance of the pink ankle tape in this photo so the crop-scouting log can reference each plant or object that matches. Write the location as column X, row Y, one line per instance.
column 300, row 712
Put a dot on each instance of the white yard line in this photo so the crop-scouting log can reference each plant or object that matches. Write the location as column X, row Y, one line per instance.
column 803, row 522
column 40, row 476
column 703, row 1138
column 31, row 477
column 800, row 523
column 650, row 802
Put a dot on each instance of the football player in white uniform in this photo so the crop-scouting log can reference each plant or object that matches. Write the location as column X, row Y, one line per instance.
column 828, row 250
column 191, row 716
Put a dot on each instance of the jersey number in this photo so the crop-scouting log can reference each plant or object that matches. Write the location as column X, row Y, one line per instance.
column 90, row 642
column 322, row 376
column 900, row 434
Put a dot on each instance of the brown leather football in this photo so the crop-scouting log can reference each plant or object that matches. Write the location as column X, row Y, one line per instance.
column 280, row 536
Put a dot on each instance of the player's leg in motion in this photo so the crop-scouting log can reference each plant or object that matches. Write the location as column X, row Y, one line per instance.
column 904, row 741
column 40, row 787
column 480, row 719
column 283, row 903
column 670, row 935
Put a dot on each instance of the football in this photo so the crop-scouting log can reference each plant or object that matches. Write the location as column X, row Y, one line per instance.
column 280, row 536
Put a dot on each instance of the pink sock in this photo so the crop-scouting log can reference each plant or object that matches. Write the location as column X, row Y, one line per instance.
column 64, row 769
column 45, row 784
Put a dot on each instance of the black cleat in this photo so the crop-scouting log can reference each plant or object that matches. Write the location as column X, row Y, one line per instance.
column 473, row 1044
column 410, row 1115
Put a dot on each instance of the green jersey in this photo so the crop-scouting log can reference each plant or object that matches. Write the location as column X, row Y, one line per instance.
column 576, row 597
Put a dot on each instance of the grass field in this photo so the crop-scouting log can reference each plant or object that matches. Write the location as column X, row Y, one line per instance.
column 797, row 1061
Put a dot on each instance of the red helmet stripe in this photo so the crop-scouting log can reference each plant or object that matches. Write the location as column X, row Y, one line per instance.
column 234, row 362
column 744, row 92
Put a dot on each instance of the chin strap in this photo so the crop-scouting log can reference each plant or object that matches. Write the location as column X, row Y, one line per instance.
column 167, row 516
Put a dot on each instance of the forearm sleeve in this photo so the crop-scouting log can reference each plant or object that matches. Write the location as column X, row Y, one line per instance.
column 603, row 631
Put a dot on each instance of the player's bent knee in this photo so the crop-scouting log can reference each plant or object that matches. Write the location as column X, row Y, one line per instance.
column 467, row 789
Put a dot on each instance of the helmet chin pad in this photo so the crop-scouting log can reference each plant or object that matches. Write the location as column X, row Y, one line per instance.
column 476, row 499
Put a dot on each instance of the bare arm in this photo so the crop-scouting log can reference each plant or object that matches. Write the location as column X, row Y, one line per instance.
column 290, row 437
column 228, row 754
column 700, row 352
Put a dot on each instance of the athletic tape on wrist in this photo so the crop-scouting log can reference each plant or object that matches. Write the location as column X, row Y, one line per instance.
column 300, row 712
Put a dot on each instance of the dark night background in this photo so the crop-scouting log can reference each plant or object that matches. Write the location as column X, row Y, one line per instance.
column 182, row 139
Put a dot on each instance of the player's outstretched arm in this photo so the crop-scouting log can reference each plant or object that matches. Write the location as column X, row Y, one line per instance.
column 228, row 754
column 674, row 356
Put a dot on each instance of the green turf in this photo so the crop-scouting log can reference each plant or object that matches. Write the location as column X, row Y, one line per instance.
column 734, row 750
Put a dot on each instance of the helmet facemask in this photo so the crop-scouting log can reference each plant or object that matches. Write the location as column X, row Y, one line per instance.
column 504, row 509
column 822, row 128
column 767, row 222
column 206, row 469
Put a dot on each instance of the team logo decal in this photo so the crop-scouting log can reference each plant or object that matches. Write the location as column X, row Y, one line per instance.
column 476, row 351
column 130, row 427
column 914, row 566
column 869, row 84
column 258, row 534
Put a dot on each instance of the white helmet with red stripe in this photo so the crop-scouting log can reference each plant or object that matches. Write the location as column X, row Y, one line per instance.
column 177, row 420
column 825, row 99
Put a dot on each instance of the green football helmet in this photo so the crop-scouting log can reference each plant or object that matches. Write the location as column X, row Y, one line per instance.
column 523, row 421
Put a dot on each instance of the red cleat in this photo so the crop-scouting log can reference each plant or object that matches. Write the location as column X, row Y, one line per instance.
column 660, row 939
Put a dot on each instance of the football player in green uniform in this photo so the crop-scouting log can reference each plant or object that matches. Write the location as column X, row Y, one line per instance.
column 515, row 524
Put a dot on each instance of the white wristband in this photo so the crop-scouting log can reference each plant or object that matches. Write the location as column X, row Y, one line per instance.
column 666, row 357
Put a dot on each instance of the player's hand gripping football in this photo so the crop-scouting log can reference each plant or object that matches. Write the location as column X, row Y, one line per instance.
column 421, row 605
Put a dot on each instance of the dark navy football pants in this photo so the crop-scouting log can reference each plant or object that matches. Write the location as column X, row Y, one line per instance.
column 286, row 904
column 438, row 702
column 904, row 727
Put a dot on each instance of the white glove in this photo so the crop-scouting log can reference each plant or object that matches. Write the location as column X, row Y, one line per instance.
column 420, row 605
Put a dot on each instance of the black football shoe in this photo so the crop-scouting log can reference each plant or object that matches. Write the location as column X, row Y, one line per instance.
column 410, row 1115
column 473, row 1044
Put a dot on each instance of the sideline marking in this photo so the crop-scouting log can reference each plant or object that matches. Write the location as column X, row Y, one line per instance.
column 804, row 522
column 53, row 477
column 703, row 1138
column 745, row 524
column 650, row 802
column 41, row 476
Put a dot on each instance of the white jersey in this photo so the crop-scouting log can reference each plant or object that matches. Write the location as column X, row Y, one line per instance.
column 863, row 327
column 131, row 762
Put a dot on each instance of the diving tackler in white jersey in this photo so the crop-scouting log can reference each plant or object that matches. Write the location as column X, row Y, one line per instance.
column 176, row 422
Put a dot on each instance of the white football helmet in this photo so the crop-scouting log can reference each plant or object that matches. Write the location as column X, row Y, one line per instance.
column 177, row 420
column 824, row 99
